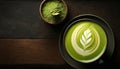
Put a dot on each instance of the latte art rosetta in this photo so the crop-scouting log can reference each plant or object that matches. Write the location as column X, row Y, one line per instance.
column 85, row 41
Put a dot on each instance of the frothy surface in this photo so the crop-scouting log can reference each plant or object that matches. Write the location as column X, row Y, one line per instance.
column 85, row 41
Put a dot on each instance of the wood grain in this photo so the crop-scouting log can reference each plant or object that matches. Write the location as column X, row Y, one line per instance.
column 30, row 51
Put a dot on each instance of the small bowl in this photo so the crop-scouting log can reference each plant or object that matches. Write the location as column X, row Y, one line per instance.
column 51, row 11
column 86, row 40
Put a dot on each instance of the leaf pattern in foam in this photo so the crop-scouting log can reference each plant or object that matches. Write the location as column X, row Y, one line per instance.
column 86, row 38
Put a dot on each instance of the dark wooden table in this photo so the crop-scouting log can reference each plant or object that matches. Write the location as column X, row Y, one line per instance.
column 27, row 41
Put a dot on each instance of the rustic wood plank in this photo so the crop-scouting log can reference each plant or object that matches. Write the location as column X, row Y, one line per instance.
column 30, row 51
column 21, row 19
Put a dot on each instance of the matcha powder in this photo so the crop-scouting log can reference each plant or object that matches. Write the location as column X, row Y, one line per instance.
column 54, row 11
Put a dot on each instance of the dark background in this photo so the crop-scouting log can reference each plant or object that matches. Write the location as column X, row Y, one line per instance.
column 26, row 41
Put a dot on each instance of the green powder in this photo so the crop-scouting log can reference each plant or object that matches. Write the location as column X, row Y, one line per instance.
column 54, row 11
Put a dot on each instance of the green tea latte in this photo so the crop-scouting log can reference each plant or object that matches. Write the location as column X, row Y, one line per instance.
column 85, row 41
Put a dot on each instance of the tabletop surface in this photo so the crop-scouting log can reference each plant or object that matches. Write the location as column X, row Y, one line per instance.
column 26, row 39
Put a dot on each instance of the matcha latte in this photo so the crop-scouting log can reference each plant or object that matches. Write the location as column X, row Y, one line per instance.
column 53, row 11
column 85, row 41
